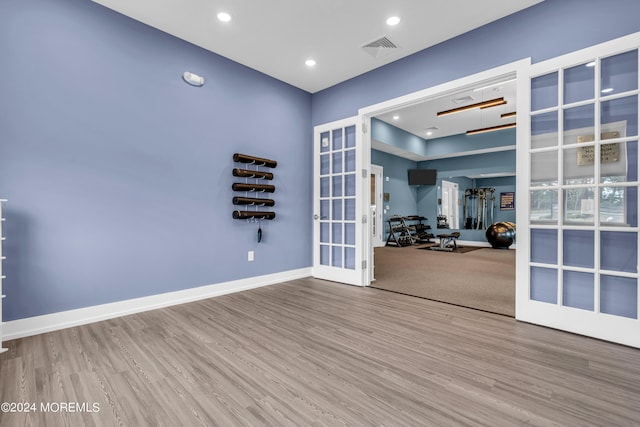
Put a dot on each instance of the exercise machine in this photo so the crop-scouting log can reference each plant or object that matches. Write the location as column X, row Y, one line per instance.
column 478, row 207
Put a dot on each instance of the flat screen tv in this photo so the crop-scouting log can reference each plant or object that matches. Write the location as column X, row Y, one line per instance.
column 422, row 176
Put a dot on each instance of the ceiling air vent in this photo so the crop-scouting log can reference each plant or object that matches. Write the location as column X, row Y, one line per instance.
column 380, row 47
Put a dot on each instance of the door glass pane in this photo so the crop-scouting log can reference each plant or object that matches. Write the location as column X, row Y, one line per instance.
column 619, row 162
column 578, row 165
column 578, row 248
column 324, row 164
column 350, row 160
column 324, row 254
column 336, row 256
column 350, row 258
column 337, row 186
column 579, row 123
column 544, row 91
column 579, row 83
column 544, row 246
column 623, row 110
column 577, row 290
column 544, row 206
column 544, row 168
column 324, row 232
column 325, row 145
column 619, row 296
column 324, row 187
column 350, row 209
column 337, row 209
column 579, row 206
column 544, row 130
column 619, row 251
column 350, row 234
column 619, row 73
column 350, row 185
column 544, row 285
column 337, row 139
column 336, row 232
column 337, row 162
column 324, row 209
column 350, row 135
column 619, row 206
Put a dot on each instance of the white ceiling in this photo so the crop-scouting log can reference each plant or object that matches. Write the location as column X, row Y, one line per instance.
column 276, row 37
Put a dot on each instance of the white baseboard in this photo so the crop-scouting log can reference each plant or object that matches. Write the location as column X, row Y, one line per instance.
column 66, row 319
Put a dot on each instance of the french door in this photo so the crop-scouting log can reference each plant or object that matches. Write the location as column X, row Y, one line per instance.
column 338, row 208
column 582, row 185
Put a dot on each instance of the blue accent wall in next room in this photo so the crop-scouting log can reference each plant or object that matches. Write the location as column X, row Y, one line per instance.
column 118, row 174
column 543, row 31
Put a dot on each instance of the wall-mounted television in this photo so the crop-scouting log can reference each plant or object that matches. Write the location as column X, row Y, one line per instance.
column 422, row 176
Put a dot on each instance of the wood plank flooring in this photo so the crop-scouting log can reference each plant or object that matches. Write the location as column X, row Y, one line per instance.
column 315, row 353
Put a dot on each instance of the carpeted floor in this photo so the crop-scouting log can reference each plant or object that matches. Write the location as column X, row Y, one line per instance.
column 483, row 279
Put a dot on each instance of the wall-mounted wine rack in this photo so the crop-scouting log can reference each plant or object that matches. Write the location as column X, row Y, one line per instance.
column 252, row 184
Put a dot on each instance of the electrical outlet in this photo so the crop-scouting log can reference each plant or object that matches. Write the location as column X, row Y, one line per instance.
column 250, row 256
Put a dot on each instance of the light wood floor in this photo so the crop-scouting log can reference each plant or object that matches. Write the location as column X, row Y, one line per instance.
column 312, row 353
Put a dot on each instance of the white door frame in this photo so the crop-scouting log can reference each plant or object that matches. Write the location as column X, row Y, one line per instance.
column 453, row 208
column 518, row 69
column 377, row 227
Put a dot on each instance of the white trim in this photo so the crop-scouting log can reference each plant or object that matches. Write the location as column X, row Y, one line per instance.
column 66, row 319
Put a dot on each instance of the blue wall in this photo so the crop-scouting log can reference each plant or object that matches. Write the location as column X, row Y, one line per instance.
column 118, row 174
column 543, row 31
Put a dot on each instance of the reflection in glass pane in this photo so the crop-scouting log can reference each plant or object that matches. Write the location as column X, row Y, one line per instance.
column 579, row 83
column 579, row 206
column 324, row 187
column 350, row 234
column 337, row 209
column 350, row 185
column 350, row 160
column 577, row 290
column 619, row 251
column 619, row 73
column 618, row 206
column 577, row 248
column 544, row 168
column 544, row 285
column 350, row 258
column 619, row 162
column 350, row 209
column 544, row 91
column 350, row 135
column 623, row 110
column 324, row 232
column 544, row 246
column 336, row 186
column 544, row 130
column 337, row 162
column 324, row 255
column 544, row 206
column 324, row 164
column 336, row 232
column 337, row 139
column 579, row 123
column 325, row 144
column 324, row 209
column 619, row 296
column 578, row 165
column 336, row 256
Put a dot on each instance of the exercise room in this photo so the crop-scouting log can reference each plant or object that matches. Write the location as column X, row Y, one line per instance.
column 445, row 205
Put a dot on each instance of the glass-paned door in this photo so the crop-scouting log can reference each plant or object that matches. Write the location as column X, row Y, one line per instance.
column 338, row 210
column 583, row 233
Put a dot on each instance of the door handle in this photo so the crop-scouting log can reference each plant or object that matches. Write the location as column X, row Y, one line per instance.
column 316, row 217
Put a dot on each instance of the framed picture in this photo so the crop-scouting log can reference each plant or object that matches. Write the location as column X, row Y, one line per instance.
column 507, row 201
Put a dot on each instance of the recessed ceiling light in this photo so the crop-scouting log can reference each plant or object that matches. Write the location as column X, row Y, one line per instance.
column 429, row 133
column 310, row 62
column 396, row 117
column 394, row 20
column 224, row 17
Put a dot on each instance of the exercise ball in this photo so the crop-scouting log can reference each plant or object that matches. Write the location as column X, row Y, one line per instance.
column 501, row 235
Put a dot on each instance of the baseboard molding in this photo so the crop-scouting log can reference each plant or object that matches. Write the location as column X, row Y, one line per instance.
column 66, row 319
